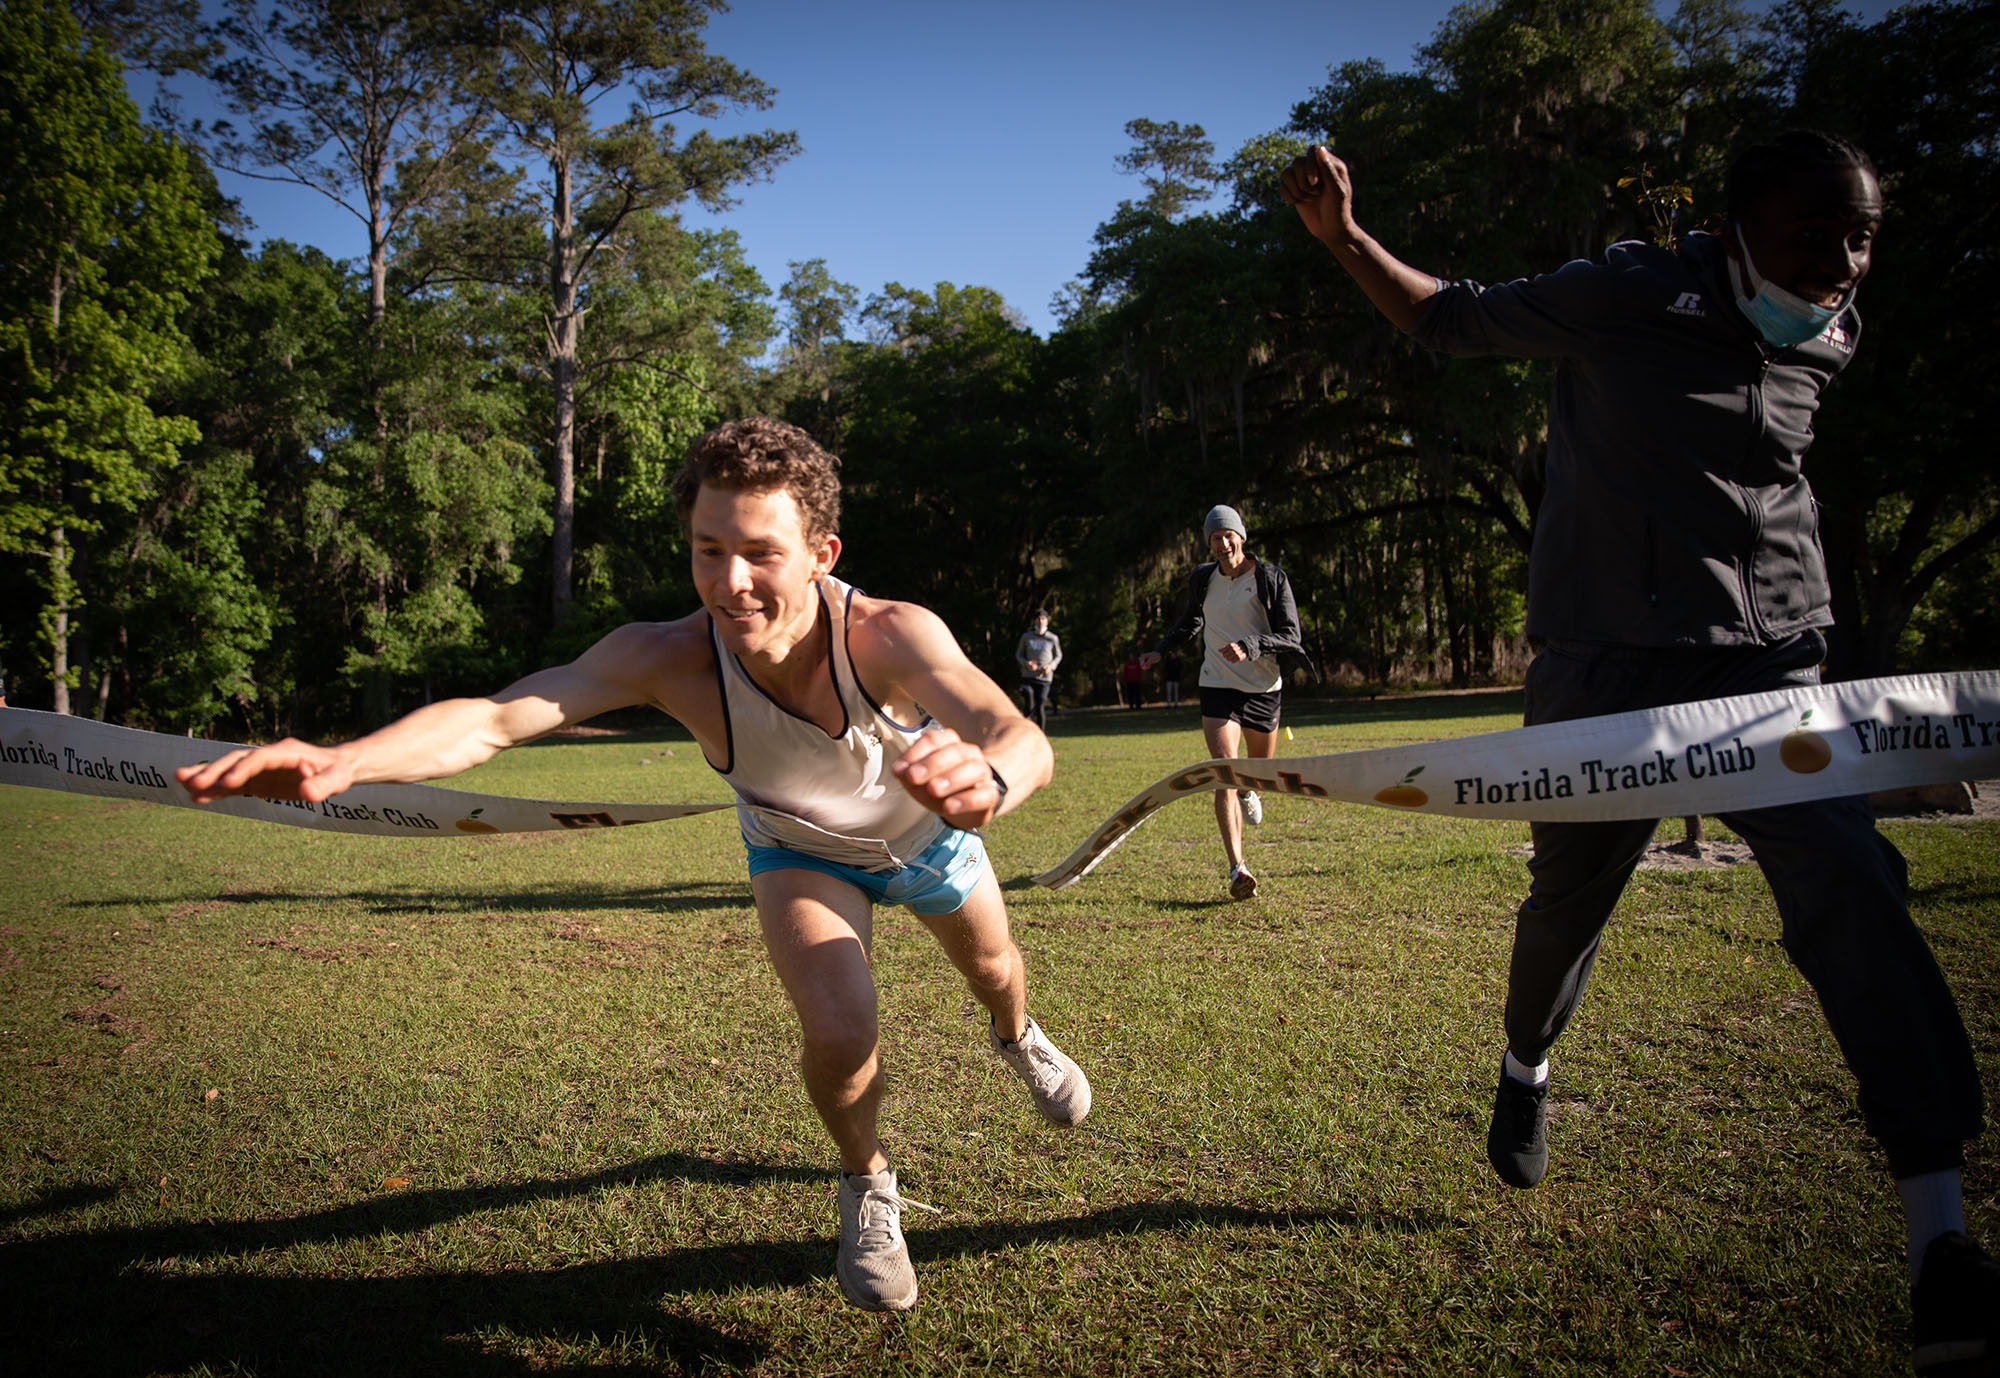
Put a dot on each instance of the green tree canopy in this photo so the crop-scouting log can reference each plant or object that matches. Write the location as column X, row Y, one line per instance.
column 339, row 95
column 1175, row 161
column 550, row 66
column 107, row 241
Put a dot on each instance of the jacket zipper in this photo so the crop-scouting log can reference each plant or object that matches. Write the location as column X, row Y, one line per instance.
column 1744, row 582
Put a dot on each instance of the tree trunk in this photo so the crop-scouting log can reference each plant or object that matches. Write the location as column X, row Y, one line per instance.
column 103, row 705
column 1483, row 631
column 563, row 330
column 378, row 255
column 378, row 267
column 58, row 556
column 1431, row 581
column 59, row 620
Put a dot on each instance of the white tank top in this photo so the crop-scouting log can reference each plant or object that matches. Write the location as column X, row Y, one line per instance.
column 1231, row 611
column 797, row 787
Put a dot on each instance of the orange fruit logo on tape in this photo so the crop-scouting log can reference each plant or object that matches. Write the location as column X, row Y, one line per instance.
column 1403, row 794
column 1804, row 751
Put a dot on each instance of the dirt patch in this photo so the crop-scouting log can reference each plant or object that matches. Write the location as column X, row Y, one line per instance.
column 1691, row 856
column 104, row 1021
column 1680, row 855
column 1985, row 803
column 316, row 954
column 104, row 1016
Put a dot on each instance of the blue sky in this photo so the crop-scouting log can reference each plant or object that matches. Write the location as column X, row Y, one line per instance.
column 975, row 143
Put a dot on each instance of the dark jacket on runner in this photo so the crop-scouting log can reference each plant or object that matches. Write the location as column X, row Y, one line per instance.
column 1675, row 512
column 1274, row 591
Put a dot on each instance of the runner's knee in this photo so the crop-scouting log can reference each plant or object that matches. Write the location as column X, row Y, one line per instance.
column 836, row 1047
column 991, row 970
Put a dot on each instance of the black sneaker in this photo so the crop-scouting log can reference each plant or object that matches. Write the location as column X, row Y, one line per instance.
column 1517, row 1144
column 1954, row 1309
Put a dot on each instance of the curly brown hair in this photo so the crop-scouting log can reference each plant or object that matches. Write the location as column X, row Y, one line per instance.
column 757, row 453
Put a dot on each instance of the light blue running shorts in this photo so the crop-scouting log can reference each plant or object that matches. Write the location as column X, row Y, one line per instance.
column 938, row 881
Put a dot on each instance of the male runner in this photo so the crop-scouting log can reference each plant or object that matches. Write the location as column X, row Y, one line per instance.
column 802, row 692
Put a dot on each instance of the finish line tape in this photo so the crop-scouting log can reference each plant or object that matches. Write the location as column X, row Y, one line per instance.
column 1717, row 756
column 56, row 751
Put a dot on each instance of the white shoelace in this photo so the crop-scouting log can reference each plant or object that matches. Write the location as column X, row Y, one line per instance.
column 874, row 1227
column 1045, row 1062
column 1042, row 1068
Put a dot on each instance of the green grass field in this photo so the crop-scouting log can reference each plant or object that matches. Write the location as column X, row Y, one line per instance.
column 282, row 1102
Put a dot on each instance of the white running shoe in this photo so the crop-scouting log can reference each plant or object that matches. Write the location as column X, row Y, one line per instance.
column 1242, row 885
column 1253, row 807
column 874, row 1264
column 1061, row 1091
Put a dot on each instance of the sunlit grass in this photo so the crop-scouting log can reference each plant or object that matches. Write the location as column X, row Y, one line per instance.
column 279, row 1101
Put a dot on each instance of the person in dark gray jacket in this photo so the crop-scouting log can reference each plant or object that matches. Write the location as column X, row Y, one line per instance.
column 1038, row 653
column 1676, row 558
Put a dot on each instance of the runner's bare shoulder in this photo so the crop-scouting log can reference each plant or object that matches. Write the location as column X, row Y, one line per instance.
column 897, row 647
column 893, row 640
column 677, row 662
column 658, row 662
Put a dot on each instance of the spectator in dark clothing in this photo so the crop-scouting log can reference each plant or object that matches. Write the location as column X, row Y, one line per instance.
column 1676, row 558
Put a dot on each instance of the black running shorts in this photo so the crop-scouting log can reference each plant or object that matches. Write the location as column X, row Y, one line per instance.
column 1258, row 712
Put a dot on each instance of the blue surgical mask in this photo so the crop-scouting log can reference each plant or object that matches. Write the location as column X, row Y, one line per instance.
column 1783, row 318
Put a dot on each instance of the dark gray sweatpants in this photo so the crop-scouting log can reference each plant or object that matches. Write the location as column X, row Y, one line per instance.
column 1840, row 888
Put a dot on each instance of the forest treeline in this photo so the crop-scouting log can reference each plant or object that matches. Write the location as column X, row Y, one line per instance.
column 246, row 489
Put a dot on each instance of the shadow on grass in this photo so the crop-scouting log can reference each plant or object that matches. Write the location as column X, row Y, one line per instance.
column 56, row 1201
column 685, row 898
column 1299, row 712
column 1973, row 892
column 1165, row 912
column 98, row 1302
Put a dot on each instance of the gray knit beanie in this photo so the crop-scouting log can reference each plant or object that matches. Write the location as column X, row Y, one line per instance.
column 1222, row 519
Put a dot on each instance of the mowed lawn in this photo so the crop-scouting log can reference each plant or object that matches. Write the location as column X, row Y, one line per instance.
column 279, row 1102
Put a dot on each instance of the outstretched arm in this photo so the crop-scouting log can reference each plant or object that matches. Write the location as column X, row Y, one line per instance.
column 1319, row 187
column 950, row 769
column 438, row 739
